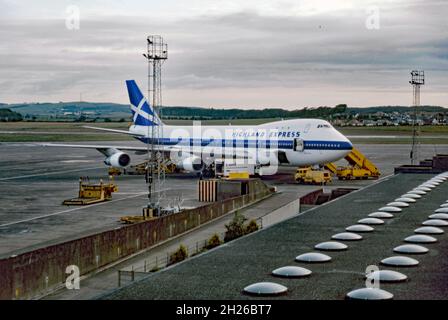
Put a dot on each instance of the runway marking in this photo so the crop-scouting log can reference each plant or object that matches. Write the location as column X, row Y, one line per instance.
column 78, row 208
column 47, row 173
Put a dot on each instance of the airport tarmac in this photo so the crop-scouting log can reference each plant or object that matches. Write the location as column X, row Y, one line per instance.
column 35, row 180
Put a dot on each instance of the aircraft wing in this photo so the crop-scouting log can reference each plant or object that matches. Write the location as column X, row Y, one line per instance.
column 144, row 149
column 115, row 131
column 101, row 148
column 196, row 150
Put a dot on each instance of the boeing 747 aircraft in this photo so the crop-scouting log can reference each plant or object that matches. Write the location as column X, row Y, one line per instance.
column 297, row 142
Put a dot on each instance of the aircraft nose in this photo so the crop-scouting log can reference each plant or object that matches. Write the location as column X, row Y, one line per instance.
column 349, row 144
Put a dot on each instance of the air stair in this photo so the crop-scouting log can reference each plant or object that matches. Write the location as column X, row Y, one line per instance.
column 360, row 167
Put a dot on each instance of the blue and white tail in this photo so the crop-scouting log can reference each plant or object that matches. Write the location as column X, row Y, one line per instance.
column 143, row 114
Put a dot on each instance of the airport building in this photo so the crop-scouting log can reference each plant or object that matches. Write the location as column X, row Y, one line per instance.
column 226, row 271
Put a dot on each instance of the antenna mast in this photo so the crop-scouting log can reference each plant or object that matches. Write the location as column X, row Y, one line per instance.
column 417, row 80
column 157, row 53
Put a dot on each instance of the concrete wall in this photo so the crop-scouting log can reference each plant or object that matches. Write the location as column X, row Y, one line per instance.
column 310, row 198
column 33, row 273
column 320, row 196
column 228, row 189
column 233, row 188
column 281, row 213
column 440, row 162
column 339, row 192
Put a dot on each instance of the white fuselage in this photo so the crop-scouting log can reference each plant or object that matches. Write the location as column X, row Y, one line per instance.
column 297, row 142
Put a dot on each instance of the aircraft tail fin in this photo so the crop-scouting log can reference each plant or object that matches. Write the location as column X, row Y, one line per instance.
column 143, row 114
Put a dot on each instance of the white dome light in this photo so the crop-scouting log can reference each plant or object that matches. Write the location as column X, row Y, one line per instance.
column 400, row 261
column 386, row 276
column 372, row 221
column 370, row 294
column 331, row 246
column 390, row 209
column 428, row 230
column 442, row 216
column 411, row 249
column 420, row 238
column 291, row 272
column 381, row 215
column 407, row 200
column 435, row 223
column 265, row 289
column 359, row 228
column 347, row 236
column 313, row 257
column 398, row 204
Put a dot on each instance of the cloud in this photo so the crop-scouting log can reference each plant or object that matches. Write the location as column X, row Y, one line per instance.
column 283, row 54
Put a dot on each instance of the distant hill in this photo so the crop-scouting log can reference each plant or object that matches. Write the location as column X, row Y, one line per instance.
column 58, row 109
column 118, row 111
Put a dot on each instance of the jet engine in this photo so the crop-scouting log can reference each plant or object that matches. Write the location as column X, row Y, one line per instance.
column 118, row 160
column 191, row 164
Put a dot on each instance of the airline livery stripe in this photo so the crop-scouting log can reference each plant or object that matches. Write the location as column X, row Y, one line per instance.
column 280, row 144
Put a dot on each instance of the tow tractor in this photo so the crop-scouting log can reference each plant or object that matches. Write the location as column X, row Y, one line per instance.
column 306, row 175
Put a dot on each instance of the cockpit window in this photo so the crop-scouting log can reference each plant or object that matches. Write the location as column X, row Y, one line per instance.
column 323, row 126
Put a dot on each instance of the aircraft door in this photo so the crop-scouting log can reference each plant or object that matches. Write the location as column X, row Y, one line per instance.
column 298, row 144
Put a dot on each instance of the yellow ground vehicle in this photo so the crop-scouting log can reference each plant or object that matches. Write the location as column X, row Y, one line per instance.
column 140, row 169
column 114, row 171
column 349, row 173
column 307, row 175
column 90, row 193
column 359, row 167
column 238, row 175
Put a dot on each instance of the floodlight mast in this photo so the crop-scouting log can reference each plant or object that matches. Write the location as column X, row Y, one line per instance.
column 157, row 53
column 417, row 80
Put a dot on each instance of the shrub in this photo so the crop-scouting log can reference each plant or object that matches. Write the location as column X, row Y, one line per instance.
column 251, row 227
column 235, row 228
column 214, row 241
column 179, row 255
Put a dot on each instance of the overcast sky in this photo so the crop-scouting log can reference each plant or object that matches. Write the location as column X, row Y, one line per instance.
column 228, row 53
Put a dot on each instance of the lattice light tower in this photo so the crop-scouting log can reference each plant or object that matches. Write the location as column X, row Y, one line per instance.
column 157, row 53
column 417, row 80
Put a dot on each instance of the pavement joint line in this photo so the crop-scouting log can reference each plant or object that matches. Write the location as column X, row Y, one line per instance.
column 46, row 173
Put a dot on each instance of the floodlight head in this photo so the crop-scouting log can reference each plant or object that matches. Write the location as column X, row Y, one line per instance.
column 417, row 77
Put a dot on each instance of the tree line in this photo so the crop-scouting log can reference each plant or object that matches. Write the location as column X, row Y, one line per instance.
column 205, row 114
column 9, row 115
